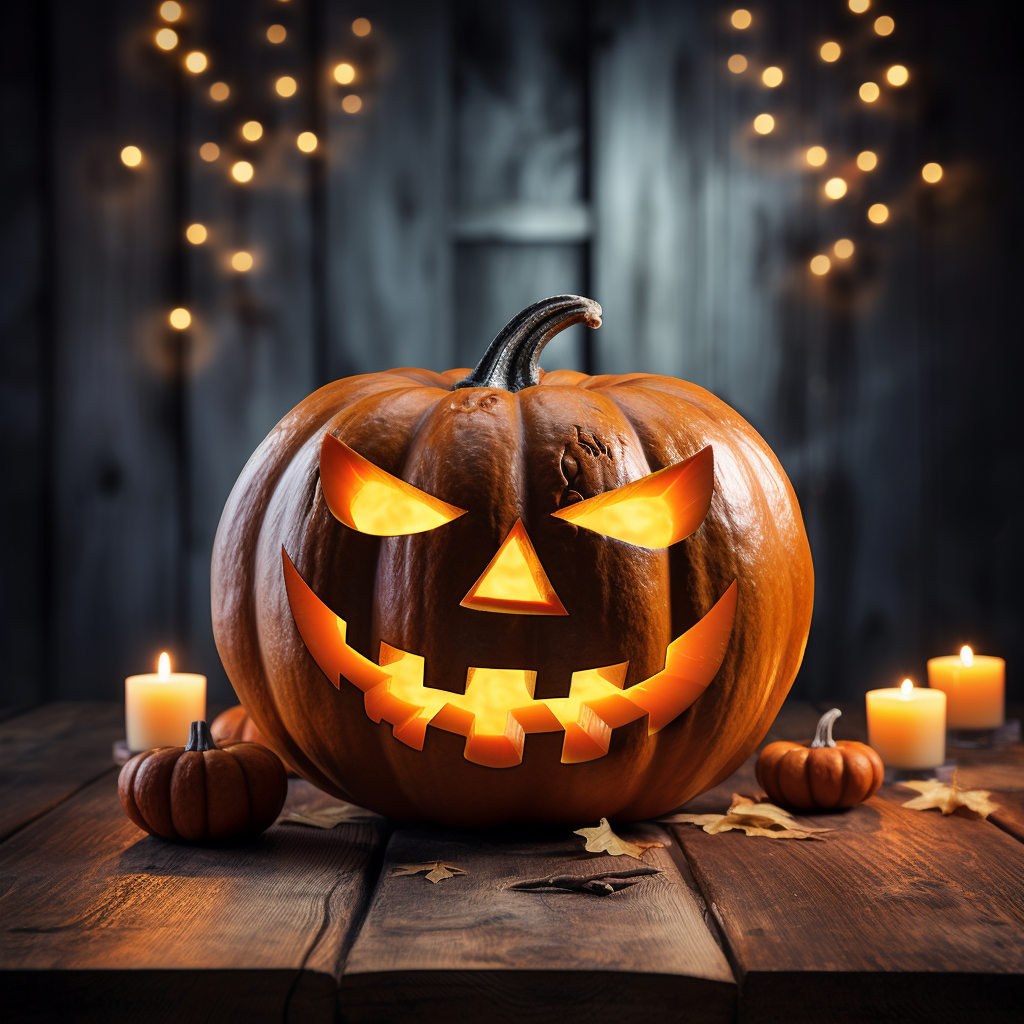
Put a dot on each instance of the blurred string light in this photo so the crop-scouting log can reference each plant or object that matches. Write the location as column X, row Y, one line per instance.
column 219, row 92
column 166, row 39
column 884, row 25
column 252, row 131
column 932, row 173
column 867, row 161
column 180, row 318
column 306, row 142
column 835, row 188
column 859, row 6
column 820, row 265
column 351, row 104
column 131, row 156
column 242, row 262
column 816, row 156
column 830, row 52
column 344, row 74
column 843, row 249
column 361, row 27
column 196, row 233
column 897, row 75
column 170, row 11
column 763, row 124
column 196, row 62
column 772, row 77
column 286, row 86
column 869, row 92
column 242, row 171
column 741, row 19
column 209, row 151
column 277, row 33
column 878, row 213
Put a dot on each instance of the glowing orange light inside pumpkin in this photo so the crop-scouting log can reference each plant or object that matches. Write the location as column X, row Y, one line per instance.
column 514, row 581
column 653, row 512
column 370, row 500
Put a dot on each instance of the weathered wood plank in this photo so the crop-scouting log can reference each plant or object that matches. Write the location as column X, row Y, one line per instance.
column 896, row 916
column 51, row 752
column 125, row 925
column 469, row 948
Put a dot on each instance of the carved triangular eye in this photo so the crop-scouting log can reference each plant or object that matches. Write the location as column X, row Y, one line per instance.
column 655, row 511
column 370, row 500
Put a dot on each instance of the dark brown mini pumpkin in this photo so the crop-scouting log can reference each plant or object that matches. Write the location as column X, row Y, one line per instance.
column 824, row 776
column 200, row 791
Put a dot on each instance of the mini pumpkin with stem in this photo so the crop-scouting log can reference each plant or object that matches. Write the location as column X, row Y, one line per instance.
column 825, row 776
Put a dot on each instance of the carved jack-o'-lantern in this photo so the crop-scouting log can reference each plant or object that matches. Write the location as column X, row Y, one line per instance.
column 513, row 595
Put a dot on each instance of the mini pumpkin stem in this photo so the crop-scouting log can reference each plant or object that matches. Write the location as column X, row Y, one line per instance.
column 511, row 360
column 200, row 738
column 823, row 735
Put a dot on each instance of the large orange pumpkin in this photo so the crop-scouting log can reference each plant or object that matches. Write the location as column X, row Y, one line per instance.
column 513, row 595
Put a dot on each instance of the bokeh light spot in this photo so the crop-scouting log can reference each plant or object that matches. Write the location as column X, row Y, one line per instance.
column 196, row 233
column 131, row 156
column 306, row 142
column 344, row 74
column 843, row 249
column 867, row 161
column 351, row 104
column 209, row 151
column 932, row 173
column 830, row 52
column 361, row 26
column 835, row 188
column 737, row 64
column 180, row 318
column 820, row 265
column 242, row 171
column 878, row 213
column 816, row 156
column 741, row 19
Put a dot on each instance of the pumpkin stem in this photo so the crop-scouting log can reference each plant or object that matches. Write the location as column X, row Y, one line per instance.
column 510, row 362
column 200, row 737
column 823, row 735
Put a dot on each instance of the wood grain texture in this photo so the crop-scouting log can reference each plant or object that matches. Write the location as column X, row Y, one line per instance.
column 469, row 948
column 124, row 924
column 51, row 752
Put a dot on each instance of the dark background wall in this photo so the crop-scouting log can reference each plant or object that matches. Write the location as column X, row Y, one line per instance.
column 505, row 151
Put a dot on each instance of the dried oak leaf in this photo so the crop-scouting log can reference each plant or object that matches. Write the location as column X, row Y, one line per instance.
column 329, row 817
column 948, row 797
column 603, row 840
column 753, row 818
column 436, row 871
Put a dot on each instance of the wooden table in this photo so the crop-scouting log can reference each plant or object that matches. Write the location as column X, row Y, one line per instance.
column 898, row 915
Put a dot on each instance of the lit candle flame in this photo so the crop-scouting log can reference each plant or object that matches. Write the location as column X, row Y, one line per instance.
column 906, row 687
column 163, row 667
column 966, row 656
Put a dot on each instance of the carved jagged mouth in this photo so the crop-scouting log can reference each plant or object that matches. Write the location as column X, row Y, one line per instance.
column 498, row 708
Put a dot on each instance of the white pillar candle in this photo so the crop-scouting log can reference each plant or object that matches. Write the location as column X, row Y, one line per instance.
column 160, row 706
column 974, row 686
column 907, row 726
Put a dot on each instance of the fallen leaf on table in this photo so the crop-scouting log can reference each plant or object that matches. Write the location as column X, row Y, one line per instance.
column 753, row 818
column 329, row 817
column 601, row 883
column 948, row 797
column 436, row 871
column 603, row 840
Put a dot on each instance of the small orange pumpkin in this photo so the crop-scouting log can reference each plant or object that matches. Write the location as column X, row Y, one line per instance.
column 825, row 776
column 200, row 791
column 235, row 726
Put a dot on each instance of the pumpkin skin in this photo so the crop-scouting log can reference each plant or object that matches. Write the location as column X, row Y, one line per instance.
column 235, row 726
column 504, row 455
column 829, row 776
column 202, row 792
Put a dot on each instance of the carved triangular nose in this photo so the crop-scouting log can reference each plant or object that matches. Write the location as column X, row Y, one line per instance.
column 514, row 581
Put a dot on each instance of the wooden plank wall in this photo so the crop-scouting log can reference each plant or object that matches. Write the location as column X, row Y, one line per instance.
column 504, row 151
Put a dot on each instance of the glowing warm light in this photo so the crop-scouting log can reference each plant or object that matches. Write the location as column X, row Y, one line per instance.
column 344, row 74
column 897, row 75
column 816, row 156
column 884, row 25
column 242, row 171
column 371, row 500
column 219, row 92
column 306, row 142
column 170, row 11
column 498, row 708
column 514, row 581
column 131, row 156
column 772, row 77
column 830, row 52
column 361, row 27
column 741, row 19
column 277, row 33
column 843, row 249
column 241, row 261
column 869, row 92
column 166, row 39
column 906, row 688
column 180, row 318
column 252, row 130
column 163, row 663
column 763, row 124
column 351, row 104
column 966, row 656
column 209, row 151
column 196, row 233
column 859, row 6
column 654, row 512
column 867, row 161
column 737, row 64
column 196, row 62
column 286, row 86
column 820, row 265
column 931, row 173
column 835, row 188
column 878, row 213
